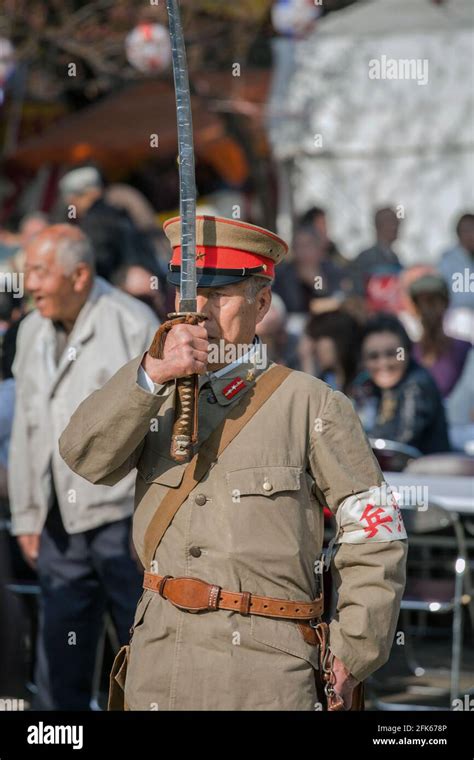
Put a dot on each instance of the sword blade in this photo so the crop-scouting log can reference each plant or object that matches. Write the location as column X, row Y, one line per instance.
column 187, row 181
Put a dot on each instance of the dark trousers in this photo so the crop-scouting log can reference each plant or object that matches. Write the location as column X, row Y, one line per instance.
column 81, row 576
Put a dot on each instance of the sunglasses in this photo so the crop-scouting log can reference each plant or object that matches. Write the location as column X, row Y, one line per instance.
column 373, row 356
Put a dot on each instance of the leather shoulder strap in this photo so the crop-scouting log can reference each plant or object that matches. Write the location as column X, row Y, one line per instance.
column 208, row 453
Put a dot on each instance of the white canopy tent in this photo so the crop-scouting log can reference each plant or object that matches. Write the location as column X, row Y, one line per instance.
column 350, row 143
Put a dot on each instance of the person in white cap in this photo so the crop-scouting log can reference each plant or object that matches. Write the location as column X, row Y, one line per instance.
column 115, row 239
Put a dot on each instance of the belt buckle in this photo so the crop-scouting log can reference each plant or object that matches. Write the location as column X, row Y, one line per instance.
column 196, row 595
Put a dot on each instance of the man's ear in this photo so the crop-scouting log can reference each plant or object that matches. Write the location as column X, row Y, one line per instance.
column 82, row 277
column 264, row 300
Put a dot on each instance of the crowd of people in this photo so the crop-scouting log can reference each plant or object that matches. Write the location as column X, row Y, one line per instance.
column 338, row 319
column 397, row 341
column 393, row 339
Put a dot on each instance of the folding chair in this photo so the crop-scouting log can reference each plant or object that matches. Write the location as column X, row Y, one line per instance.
column 435, row 584
column 393, row 456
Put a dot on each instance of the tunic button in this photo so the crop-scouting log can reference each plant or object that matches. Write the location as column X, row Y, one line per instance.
column 267, row 486
column 200, row 499
column 195, row 551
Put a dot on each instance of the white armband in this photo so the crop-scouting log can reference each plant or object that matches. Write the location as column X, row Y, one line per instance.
column 372, row 515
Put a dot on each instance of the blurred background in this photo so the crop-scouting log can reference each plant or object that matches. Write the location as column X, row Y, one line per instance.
column 347, row 127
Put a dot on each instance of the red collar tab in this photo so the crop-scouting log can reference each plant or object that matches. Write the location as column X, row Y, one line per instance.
column 235, row 386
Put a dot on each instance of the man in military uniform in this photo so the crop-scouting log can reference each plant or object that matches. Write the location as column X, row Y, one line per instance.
column 252, row 527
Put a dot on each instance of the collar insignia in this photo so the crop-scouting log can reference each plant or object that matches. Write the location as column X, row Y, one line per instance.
column 235, row 386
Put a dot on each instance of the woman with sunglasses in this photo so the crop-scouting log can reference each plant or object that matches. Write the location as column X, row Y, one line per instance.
column 395, row 397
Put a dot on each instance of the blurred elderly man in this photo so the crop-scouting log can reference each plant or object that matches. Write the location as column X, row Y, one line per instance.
column 75, row 534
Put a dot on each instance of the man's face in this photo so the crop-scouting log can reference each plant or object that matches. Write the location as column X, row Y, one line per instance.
column 387, row 226
column 326, row 353
column 230, row 317
column 320, row 225
column 83, row 201
column 466, row 236
column 77, row 201
column 431, row 307
column 307, row 249
column 53, row 291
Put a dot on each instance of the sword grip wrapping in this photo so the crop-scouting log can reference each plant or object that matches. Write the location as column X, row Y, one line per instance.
column 184, row 433
column 185, row 427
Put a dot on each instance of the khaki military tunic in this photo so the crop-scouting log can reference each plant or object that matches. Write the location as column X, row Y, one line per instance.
column 254, row 523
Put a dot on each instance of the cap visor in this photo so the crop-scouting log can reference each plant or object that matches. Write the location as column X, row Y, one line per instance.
column 209, row 280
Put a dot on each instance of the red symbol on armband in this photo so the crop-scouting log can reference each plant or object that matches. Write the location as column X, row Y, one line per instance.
column 399, row 514
column 374, row 519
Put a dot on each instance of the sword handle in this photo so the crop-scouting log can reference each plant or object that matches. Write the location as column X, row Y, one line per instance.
column 185, row 426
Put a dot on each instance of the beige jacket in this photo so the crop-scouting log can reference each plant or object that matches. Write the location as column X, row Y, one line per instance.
column 259, row 529
column 110, row 329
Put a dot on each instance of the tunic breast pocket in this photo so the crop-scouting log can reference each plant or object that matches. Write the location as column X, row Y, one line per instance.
column 264, row 514
column 268, row 481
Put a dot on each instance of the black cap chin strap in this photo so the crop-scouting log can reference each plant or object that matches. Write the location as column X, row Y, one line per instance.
column 240, row 272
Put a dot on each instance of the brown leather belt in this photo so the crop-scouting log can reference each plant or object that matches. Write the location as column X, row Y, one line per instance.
column 195, row 595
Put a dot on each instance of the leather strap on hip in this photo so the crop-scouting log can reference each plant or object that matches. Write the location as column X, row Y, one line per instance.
column 196, row 595
column 209, row 451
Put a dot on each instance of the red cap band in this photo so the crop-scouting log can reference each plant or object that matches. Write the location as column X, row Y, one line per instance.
column 218, row 257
